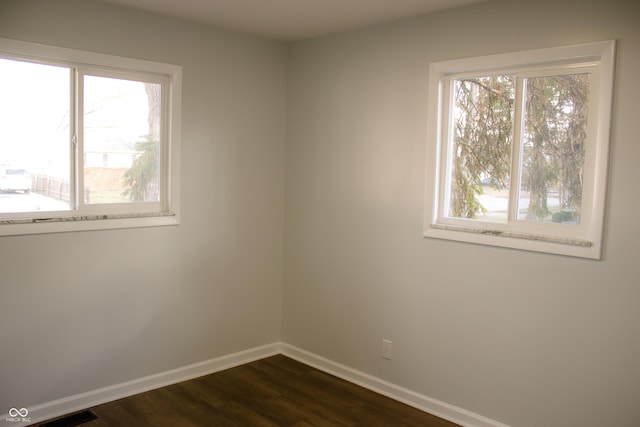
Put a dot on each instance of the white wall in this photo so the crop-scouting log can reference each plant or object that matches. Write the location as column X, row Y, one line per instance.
column 528, row 339
column 80, row 311
column 524, row 338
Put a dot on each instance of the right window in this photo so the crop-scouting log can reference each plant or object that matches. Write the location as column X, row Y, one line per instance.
column 518, row 149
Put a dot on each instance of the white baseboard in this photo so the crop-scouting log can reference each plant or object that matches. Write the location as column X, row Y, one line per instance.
column 92, row 398
column 67, row 405
column 424, row 403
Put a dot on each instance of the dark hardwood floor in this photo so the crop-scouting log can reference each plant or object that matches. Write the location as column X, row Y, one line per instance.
column 276, row 391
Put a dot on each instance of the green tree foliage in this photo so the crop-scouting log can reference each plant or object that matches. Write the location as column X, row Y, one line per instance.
column 554, row 132
column 553, row 151
column 483, row 133
column 142, row 177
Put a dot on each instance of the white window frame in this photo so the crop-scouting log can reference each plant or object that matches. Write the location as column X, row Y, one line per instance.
column 83, row 216
column 583, row 240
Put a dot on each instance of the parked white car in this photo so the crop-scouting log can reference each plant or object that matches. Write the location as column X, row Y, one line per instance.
column 15, row 180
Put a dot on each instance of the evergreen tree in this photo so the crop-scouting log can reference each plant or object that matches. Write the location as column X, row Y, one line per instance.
column 483, row 133
column 554, row 133
column 141, row 179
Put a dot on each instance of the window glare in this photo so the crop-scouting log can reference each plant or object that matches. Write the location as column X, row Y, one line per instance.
column 34, row 137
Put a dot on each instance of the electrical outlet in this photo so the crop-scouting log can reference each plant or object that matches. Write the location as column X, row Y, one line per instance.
column 386, row 349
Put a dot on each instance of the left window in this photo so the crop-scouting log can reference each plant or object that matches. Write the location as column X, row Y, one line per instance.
column 87, row 140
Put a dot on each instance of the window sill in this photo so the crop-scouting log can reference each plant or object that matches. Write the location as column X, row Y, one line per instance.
column 530, row 242
column 12, row 227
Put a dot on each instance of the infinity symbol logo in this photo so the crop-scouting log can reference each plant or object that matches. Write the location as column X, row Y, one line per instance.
column 22, row 412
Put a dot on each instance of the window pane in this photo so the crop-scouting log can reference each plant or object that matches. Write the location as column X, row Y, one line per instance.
column 121, row 140
column 555, row 129
column 482, row 135
column 34, row 137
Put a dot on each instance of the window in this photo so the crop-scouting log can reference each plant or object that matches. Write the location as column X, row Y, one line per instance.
column 518, row 149
column 87, row 141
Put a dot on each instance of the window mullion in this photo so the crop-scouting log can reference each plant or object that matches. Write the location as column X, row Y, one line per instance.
column 74, row 116
column 78, row 164
column 164, row 166
column 516, row 151
column 449, row 107
column 446, row 154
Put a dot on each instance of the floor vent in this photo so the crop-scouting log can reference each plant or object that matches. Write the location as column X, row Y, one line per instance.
column 72, row 420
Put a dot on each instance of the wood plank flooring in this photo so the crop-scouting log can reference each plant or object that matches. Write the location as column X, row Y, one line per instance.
column 272, row 392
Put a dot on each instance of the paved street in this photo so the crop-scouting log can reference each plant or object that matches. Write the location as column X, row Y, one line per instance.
column 33, row 202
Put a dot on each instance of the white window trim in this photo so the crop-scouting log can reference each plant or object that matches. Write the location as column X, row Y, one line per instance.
column 586, row 243
column 102, row 217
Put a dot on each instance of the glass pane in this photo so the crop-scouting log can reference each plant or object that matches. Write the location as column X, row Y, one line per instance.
column 121, row 140
column 555, row 129
column 481, row 158
column 34, row 137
